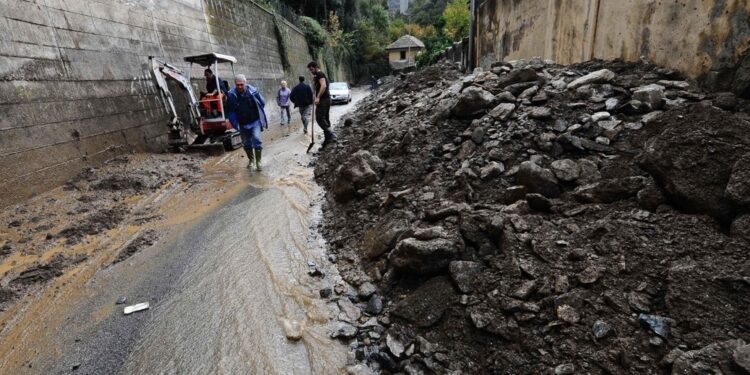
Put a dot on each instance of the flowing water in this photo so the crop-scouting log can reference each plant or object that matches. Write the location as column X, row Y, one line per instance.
column 249, row 277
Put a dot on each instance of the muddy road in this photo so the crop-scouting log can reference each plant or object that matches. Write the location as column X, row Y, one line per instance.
column 229, row 271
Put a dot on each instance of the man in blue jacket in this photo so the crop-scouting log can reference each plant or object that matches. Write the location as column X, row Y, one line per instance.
column 302, row 97
column 246, row 111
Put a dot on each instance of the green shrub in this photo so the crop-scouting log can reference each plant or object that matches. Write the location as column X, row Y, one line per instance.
column 315, row 35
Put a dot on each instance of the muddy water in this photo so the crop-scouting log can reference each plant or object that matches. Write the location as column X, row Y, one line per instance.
column 249, row 276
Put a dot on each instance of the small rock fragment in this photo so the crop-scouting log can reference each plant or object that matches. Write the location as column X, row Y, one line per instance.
column 492, row 170
column 366, row 290
column 540, row 113
column 568, row 314
column 657, row 324
column 565, row 369
column 351, row 313
column 464, row 274
column 601, row 329
column 591, row 274
column 394, row 346
column 292, row 329
column 374, row 305
column 325, row 292
column 344, row 331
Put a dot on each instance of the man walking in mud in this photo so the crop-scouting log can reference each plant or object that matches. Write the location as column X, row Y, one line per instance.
column 302, row 97
column 322, row 102
column 246, row 111
column 282, row 99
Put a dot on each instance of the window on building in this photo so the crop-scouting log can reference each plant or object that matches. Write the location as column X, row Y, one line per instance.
column 403, row 55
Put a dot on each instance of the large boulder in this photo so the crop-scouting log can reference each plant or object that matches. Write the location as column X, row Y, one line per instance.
column 503, row 111
column 716, row 358
column 693, row 156
column 738, row 187
column 537, row 179
column 611, row 190
column 361, row 170
column 382, row 237
column 566, row 170
column 516, row 76
column 599, row 76
column 426, row 250
column 472, row 100
column 741, row 227
column 426, row 305
column 653, row 95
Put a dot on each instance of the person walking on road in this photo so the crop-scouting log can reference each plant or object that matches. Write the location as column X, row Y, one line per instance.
column 246, row 111
column 302, row 97
column 282, row 99
column 322, row 102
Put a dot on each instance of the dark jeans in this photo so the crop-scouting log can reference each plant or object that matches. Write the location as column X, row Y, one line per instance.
column 322, row 115
column 288, row 118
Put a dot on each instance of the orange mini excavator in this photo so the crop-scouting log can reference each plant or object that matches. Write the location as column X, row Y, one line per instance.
column 207, row 129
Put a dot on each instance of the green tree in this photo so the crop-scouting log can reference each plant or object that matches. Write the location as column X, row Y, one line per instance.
column 315, row 34
column 426, row 12
column 342, row 43
column 457, row 19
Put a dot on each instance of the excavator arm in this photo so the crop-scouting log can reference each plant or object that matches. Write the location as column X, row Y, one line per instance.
column 162, row 71
column 212, row 134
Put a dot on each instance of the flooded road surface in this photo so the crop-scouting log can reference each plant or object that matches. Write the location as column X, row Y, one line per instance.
column 222, row 286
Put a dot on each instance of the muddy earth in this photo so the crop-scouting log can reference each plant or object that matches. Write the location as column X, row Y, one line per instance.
column 537, row 218
column 46, row 235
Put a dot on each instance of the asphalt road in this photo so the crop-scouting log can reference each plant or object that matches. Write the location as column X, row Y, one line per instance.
column 221, row 288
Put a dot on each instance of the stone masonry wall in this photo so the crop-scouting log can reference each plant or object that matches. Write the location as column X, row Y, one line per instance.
column 75, row 89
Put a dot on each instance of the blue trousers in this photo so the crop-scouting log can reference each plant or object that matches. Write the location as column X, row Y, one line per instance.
column 251, row 135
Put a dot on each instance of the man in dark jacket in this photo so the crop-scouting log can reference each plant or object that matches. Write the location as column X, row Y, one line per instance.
column 302, row 97
column 323, row 103
column 247, row 114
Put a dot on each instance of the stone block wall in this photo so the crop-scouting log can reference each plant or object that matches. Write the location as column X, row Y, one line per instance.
column 75, row 88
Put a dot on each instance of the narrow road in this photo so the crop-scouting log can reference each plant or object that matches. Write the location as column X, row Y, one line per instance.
column 221, row 288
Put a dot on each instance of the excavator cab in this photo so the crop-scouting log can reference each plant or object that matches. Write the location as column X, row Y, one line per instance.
column 209, row 128
column 211, row 106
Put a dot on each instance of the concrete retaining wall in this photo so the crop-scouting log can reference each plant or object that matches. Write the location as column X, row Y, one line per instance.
column 458, row 53
column 74, row 85
column 705, row 39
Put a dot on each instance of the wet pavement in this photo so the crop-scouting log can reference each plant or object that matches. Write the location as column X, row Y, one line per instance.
column 222, row 284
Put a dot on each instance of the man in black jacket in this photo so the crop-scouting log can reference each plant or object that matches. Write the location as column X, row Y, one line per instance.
column 322, row 102
column 302, row 97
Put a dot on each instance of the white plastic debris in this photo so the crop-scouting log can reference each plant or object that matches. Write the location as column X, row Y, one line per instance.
column 135, row 308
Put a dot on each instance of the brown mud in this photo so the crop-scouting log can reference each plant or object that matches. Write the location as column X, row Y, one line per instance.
column 55, row 243
column 537, row 218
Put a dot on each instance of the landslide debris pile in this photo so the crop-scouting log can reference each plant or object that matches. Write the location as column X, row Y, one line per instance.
column 538, row 218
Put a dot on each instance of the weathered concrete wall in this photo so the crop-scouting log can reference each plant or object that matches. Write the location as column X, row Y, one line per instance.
column 74, row 85
column 705, row 39
column 458, row 53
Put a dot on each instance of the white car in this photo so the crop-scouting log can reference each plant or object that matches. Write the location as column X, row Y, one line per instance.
column 340, row 92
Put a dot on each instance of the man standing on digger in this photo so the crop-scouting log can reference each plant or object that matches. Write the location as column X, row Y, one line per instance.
column 246, row 111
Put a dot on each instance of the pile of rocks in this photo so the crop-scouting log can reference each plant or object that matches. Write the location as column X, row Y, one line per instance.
column 535, row 218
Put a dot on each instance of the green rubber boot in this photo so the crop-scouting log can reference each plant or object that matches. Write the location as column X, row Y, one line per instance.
column 257, row 160
column 249, row 153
